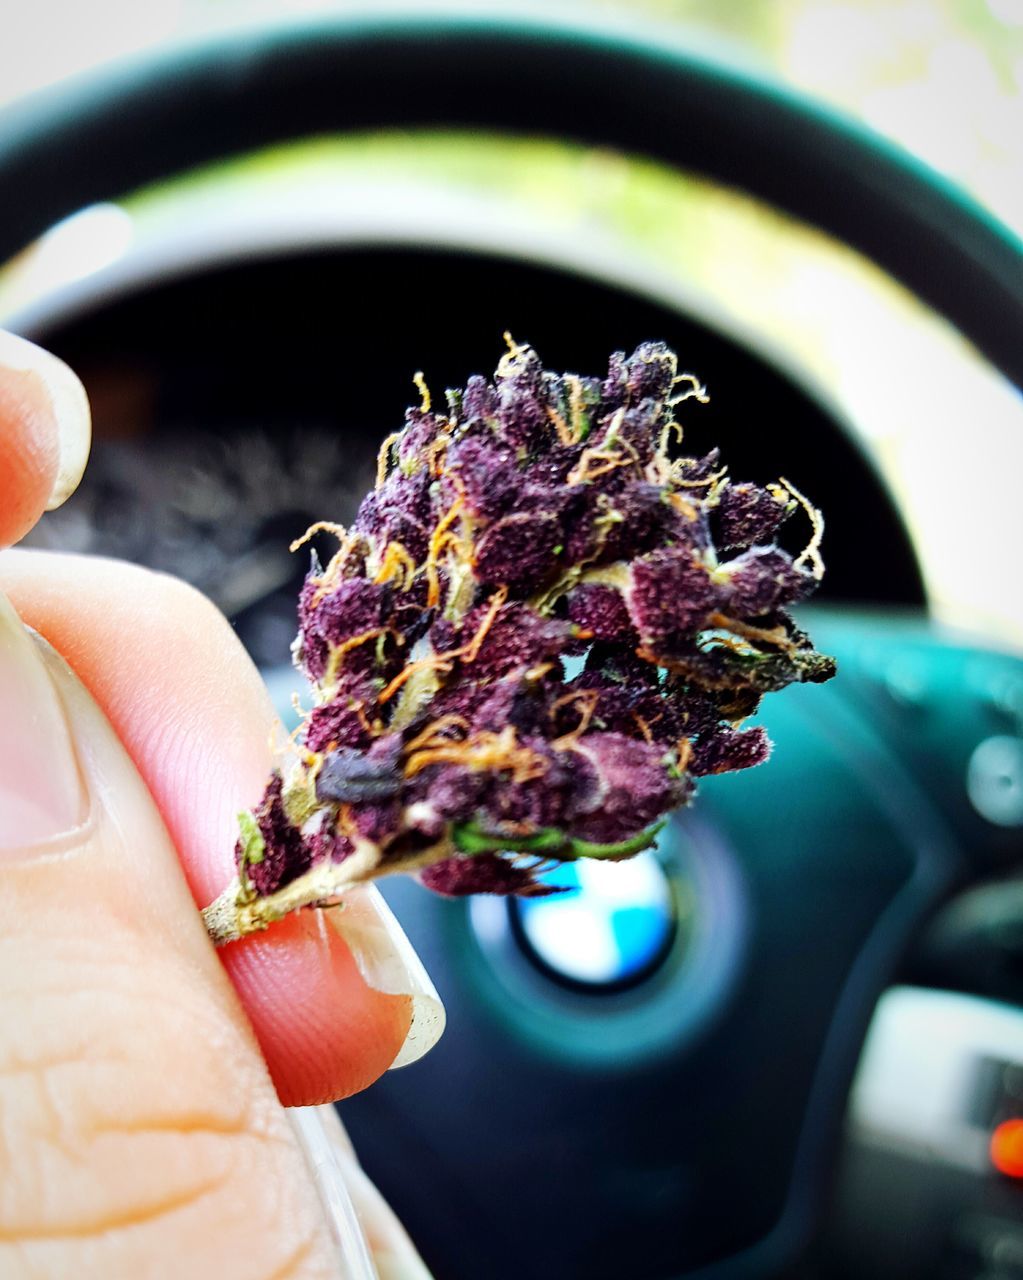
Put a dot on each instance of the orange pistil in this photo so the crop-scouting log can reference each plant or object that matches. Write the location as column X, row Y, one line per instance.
column 321, row 526
column 470, row 652
column 432, row 662
column 426, row 400
column 682, row 505
column 595, row 463
column 397, row 563
column 481, row 752
column 778, row 637
column 688, row 670
column 384, row 456
column 598, row 459
column 564, row 431
column 434, row 455
column 586, row 700
column 706, row 482
column 643, row 726
column 441, row 537
column 434, row 731
column 346, row 821
column 374, row 727
column 812, row 551
column 353, row 642
column 444, row 661
column 333, row 571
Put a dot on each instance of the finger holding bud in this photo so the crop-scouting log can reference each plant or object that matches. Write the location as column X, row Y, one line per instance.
column 332, row 1006
column 44, row 434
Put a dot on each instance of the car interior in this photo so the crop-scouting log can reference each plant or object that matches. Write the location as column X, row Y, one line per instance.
column 783, row 1043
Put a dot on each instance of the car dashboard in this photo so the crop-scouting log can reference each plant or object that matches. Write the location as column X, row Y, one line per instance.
column 238, row 403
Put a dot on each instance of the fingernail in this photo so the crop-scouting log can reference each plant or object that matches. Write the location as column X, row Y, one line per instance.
column 339, row 1175
column 42, row 795
column 353, row 1255
column 388, row 963
column 68, row 404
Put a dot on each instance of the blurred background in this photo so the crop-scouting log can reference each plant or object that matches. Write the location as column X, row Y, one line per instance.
column 943, row 78
column 844, row 926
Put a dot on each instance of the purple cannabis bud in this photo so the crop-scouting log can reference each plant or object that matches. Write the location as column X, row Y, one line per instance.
column 545, row 622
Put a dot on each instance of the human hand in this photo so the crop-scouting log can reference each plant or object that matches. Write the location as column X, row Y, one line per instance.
column 140, row 1096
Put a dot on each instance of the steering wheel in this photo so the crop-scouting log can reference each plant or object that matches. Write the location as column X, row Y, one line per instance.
column 681, row 1123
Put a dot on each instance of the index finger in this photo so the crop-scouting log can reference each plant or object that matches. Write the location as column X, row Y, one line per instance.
column 44, row 434
column 331, row 1012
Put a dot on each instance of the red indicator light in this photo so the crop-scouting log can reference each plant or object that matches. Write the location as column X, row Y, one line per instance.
column 1007, row 1148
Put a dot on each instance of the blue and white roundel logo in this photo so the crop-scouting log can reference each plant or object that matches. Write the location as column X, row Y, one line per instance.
column 613, row 926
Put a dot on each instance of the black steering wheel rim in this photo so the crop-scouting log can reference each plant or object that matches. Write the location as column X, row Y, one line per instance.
column 150, row 117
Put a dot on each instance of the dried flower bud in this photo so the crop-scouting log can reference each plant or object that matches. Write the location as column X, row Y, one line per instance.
column 540, row 517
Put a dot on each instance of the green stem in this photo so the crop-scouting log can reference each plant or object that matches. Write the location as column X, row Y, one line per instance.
column 468, row 838
column 623, row 848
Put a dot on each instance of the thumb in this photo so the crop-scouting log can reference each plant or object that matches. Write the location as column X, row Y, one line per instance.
column 142, row 1134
